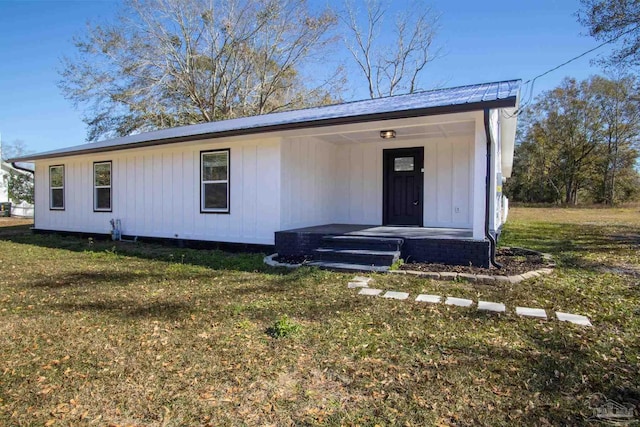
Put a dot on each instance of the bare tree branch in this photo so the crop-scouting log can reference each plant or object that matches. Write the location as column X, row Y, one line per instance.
column 174, row 62
column 395, row 64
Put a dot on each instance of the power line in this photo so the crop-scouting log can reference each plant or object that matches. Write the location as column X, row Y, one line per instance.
column 533, row 80
column 624, row 33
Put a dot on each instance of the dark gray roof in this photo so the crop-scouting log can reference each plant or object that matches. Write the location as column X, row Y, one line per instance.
column 439, row 101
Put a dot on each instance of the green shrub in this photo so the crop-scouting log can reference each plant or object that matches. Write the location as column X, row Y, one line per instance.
column 283, row 328
column 19, row 187
column 397, row 264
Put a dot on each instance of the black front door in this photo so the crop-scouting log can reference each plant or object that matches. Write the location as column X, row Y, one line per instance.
column 402, row 186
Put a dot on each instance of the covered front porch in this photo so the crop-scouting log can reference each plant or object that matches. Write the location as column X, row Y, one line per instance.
column 379, row 246
column 431, row 175
column 420, row 188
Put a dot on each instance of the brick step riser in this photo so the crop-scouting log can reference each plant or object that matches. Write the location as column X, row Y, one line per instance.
column 364, row 259
column 349, row 267
column 348, row 244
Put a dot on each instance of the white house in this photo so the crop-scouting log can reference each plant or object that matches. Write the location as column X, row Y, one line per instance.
column 424, row 170
column 21, row 208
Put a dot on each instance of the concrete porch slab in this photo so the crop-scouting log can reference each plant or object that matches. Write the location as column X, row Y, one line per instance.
column 452, row 246
column 405, row 232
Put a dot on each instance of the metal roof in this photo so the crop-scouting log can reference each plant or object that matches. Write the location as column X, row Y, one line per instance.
column 439, row 101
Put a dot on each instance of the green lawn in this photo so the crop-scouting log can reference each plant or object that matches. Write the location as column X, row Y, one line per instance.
column 97, row 334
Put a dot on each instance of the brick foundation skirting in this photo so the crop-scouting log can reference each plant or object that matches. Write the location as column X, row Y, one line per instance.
column 289, row 243
column 166, row 241
column 445, row 251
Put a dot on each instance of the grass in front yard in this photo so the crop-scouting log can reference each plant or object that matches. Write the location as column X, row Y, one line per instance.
column 92, row 332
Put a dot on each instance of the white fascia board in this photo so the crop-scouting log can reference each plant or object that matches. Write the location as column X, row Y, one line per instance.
column 494, row 126
column 508, row 125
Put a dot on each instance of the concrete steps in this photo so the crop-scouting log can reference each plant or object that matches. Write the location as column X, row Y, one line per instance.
column 357, row 253
column 362, row 242
column 348, row 267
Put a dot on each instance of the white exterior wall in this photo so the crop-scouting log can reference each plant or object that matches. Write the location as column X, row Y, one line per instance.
column 22, row 209
column 308, row 182
column 497, row 200
column 325, row 183
column 479, row 173
column 496, row 208
column 156, row 193
column 4, row 190
column 447, row 181
column 496, row 167
column 276, row 183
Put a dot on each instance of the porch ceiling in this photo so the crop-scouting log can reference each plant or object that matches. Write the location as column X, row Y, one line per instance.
column 422, row 131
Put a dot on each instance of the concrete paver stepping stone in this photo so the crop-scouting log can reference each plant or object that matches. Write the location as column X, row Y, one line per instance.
column 396, row 295
column 359, row 282
column 460, row 302
column 573, row 318
column 531, row 312
column 434, row 299
column 370, row 291
column 352, row 285
column 530, row 274
column 496, row 307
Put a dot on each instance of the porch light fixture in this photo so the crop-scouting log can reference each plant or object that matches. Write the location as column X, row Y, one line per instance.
column 387, row 134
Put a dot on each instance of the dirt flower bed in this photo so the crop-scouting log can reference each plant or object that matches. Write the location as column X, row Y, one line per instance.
column 300, row 259
column 514, row 261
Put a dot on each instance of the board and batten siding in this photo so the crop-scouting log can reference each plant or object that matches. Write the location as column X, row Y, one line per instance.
column 447, row 181
column 309, row 188
column 156, row 193
column 275, row 184
column 324, row 183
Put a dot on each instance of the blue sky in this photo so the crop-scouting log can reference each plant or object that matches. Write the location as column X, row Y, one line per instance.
column 482, row 41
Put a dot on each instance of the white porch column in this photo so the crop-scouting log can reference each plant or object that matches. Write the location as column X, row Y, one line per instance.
column 479, row 177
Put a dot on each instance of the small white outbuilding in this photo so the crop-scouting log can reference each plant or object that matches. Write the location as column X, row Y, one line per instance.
column 19, row 208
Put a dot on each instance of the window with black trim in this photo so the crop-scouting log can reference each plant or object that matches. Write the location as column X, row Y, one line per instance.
column 102, row 186
column 214, row 181
column 56, row 187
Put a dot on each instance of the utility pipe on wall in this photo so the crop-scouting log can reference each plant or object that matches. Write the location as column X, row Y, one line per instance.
column 487, row 202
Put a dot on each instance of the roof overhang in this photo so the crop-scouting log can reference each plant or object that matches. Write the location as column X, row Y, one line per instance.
column 508, row 124
column 467, row 99
column 21, row 168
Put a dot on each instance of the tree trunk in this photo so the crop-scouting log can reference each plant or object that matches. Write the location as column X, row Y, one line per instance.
column 613, row 175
